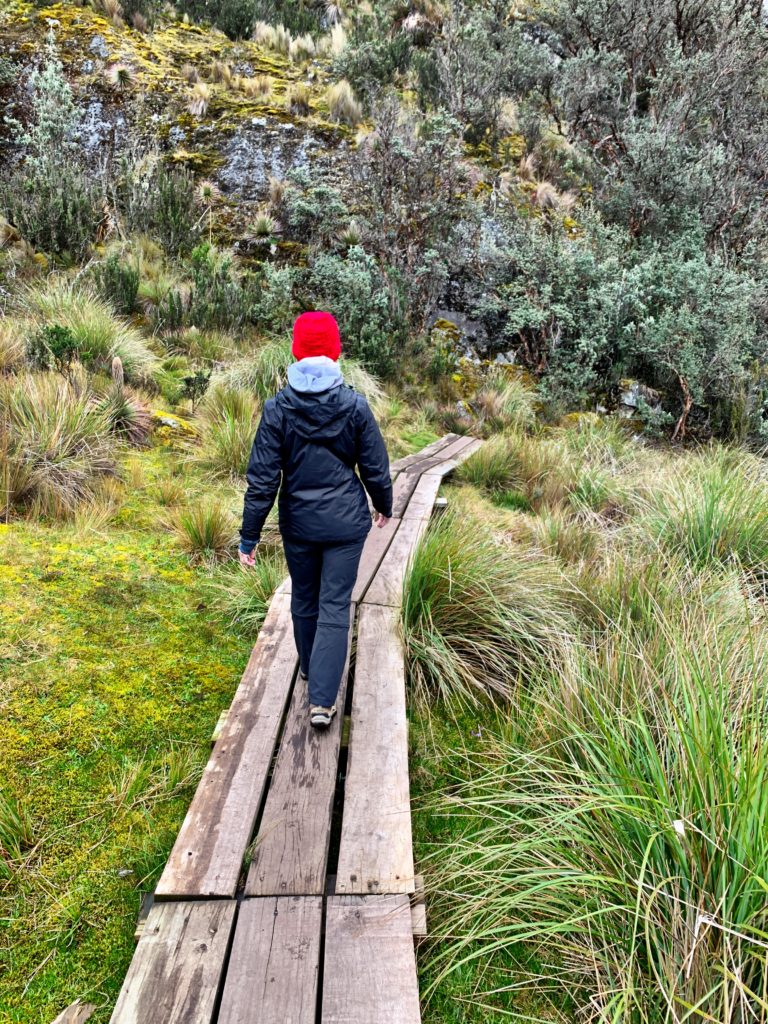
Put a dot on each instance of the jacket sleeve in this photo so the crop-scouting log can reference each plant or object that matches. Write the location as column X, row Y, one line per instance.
column 373, row 462
column 263, row 475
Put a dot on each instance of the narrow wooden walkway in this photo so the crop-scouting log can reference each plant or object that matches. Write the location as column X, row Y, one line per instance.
column 256, row 920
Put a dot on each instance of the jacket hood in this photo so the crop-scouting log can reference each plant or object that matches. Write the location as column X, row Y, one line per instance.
column 315, row 374
column 317, row 415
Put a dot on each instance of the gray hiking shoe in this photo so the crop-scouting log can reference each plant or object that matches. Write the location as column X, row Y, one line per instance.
column 321, row 718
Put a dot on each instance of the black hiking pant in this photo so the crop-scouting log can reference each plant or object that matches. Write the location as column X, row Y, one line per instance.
column 322, row 578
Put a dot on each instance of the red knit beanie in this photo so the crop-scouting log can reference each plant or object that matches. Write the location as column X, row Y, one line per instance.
column 316, row 334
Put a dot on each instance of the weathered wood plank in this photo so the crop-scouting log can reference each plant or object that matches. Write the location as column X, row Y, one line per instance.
column 369, row 974
column 208, row 854
column 448, row 466
column 423, row 498
column 409, row 461
column 175, row 974
column 376, row 545
column 291, row 849
column 273, row 968
column 376, row 851
column 419, row 920
column 387, row 585
column 402, row 489
column 77, row 1013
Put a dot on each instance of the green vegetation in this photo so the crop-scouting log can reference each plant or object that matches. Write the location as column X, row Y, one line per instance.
column 542, row 224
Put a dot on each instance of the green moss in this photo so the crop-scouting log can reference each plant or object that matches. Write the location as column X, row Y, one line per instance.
column 109, row 657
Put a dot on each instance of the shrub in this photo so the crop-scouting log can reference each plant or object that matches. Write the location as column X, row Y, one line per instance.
column 218, row 298
column 229, row 426
column 52, row 198
column 206, row 530
column 99, row 335
column 343, row 105
column 360, row 297
column 118, row 282
column 478, row 619
column 274, row 306
column 158, row 201
column 55, row 444
column 53, row 347
column 313, row 211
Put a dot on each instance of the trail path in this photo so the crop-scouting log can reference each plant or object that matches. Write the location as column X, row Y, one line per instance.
column 290, row 895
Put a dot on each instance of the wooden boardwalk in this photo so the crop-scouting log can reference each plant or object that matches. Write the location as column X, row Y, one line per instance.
column 256, row 919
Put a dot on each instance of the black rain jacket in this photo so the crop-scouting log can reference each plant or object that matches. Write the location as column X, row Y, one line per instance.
column 312, row 442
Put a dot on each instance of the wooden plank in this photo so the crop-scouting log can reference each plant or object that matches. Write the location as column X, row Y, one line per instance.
column 208, row 854
column 408, row 461
column 423, row 498
column 291, row 849
column 419, row 920
column 376, row 546
column 369, row 974
column 402, row 490
column 448, row 466
column 273, row 970
column 376, row 851
column 76, row 1013
column 387, row 585
column 175, row 974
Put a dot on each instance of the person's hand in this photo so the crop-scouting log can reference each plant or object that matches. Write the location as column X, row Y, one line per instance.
column 247, row 560
column 380, row 520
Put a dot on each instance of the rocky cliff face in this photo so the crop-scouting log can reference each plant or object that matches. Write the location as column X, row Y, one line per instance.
column 238, row 127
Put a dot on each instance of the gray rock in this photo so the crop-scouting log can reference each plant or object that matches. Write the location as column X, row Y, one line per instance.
column 98, row 46
column 176, row 134
column 254, row 155
column 636, row 393
column 473, row 337
column 99, row 126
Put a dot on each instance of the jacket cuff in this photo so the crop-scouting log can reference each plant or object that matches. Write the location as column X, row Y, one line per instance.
column 247, row 546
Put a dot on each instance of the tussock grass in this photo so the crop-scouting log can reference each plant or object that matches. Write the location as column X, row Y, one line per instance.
column 100, row 335
column 265, row 371
column 477, row 619
column 16, row 832
column 506, row 404
column 492, row 468
column 617, row 827
column 229, row 420
column 56, row 444
column 243, row 596
column 206, row 530
column 714, row 511
column 343, row 105
column 12, row 344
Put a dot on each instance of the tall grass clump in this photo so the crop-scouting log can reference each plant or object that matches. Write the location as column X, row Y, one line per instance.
column 16, row 832
column 244, row 596
column 715, row 512
column 229, row 420
column 506, row 403
column 265, row 371
column 55, row 445
column 618, row 830
column 478, row 618
column 12, row 345
column 206, row 530
column 99, row 334
column 492, row 468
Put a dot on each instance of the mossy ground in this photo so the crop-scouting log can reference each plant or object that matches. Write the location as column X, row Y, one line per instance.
column 113, row 672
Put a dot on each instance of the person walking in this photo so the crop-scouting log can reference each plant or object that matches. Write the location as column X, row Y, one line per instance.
column 312, row 437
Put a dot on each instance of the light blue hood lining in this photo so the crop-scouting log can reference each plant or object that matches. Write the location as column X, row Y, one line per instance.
column 314, row 375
